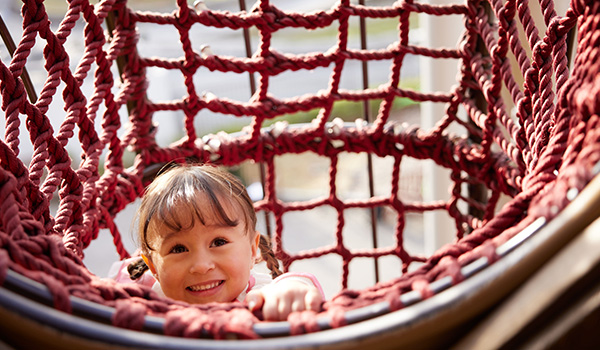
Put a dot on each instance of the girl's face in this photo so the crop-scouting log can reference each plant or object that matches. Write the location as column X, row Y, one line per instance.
column 207, row 263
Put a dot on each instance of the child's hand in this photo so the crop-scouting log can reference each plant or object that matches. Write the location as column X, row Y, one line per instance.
column 279, row 299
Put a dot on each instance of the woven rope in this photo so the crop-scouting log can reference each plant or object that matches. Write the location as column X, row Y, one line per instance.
column 546, row 149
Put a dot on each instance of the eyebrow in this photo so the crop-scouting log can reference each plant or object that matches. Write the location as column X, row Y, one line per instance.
column 168, row 234
column 165, row 236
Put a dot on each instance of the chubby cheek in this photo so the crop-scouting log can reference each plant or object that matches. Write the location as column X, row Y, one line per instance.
column 171, row 281
column 239, row 277
column 163, row 271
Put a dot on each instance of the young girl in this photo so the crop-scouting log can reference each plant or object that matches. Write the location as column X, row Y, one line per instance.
column 198, row 238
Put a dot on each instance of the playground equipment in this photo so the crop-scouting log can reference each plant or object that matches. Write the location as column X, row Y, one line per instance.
column 527, row 131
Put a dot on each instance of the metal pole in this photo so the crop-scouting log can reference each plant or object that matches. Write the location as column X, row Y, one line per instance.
column 10, row 45
column 367, row 117
column 261, row 166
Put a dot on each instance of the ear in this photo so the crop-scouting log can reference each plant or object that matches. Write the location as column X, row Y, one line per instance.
column 149, row 263
column 255, row 242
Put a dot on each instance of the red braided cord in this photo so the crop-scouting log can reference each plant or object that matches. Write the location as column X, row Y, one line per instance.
column 536, row 156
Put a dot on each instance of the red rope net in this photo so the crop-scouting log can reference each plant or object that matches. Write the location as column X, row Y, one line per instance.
column 533, row 153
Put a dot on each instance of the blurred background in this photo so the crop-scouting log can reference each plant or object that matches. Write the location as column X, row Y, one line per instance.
column 302, row 176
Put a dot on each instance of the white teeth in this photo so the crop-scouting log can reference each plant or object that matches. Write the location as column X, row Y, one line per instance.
column 199, row 288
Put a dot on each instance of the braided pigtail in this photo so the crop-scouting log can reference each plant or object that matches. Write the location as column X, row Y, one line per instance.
column 137, row 268
column 267, row 255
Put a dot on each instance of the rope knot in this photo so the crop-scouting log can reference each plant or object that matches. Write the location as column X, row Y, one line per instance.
column 303, row 322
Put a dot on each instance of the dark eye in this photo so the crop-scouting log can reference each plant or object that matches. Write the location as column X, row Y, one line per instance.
column 217, row 242
column 178, row 248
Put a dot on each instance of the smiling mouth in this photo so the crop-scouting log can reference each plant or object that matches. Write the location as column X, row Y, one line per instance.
column 203, row 287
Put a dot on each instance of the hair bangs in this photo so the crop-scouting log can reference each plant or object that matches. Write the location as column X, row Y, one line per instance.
column 182, row 195
column 190, row 198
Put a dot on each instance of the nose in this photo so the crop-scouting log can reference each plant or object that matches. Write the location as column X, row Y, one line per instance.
column 202, row 263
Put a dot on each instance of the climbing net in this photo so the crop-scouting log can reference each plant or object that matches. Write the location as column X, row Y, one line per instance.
column 526, row 130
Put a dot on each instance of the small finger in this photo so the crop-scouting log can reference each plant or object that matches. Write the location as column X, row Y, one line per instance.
column 313, row 300
column 255, row 300
column 298, row 305
column 284, row 309
column 270, row 310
